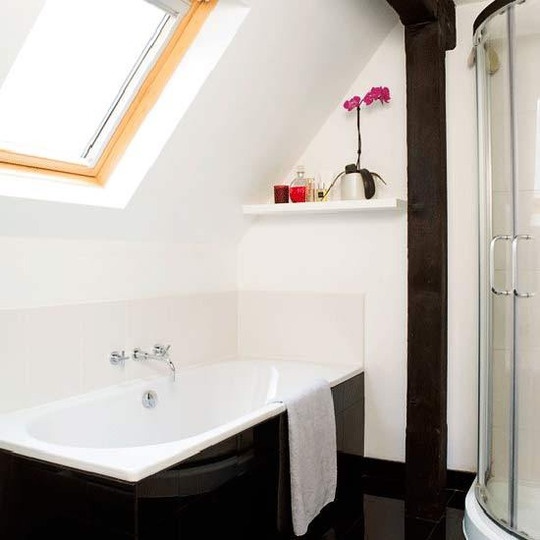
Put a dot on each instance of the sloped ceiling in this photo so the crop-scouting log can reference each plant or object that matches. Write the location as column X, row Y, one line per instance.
column 15, row 23
column 285, row 72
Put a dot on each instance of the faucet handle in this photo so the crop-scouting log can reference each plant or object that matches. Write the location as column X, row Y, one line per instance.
column 118, row 358
column 161, row 350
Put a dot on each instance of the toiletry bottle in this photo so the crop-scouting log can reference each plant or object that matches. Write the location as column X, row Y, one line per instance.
column 320, row 192
column 310, row 189
column 297, row 189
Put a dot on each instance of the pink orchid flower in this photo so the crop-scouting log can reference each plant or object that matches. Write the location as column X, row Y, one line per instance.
column 353, row 103
column 380, row 93
column 377, row 93
column 368, row 98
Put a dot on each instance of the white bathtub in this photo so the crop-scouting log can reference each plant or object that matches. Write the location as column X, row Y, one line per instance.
column 109, row 432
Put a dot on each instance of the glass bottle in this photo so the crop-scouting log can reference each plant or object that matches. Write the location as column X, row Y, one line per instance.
column 297, row 189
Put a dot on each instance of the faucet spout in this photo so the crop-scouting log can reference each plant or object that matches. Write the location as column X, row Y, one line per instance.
column 159, row 352
column 171, row 367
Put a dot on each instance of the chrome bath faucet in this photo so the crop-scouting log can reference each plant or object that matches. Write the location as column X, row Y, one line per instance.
column 159, row 352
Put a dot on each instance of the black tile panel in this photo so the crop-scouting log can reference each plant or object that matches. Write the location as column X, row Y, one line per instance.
column 348, row 392
column 48, row 501
column 353, row 430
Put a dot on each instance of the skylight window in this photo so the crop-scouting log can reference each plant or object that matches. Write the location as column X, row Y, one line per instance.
column 79, row 69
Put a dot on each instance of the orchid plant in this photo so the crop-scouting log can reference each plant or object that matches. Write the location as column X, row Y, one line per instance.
column 377, row 93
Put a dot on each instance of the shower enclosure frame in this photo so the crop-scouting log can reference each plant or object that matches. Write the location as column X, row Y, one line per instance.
column 488, row 288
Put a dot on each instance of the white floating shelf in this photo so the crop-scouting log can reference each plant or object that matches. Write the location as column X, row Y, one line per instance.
column 328, row 207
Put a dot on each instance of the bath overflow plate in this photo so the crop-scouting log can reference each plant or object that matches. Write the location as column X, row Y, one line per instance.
column 149, row 399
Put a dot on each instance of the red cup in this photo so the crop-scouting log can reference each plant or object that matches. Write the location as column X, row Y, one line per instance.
column 297, row 193
column 281, row 193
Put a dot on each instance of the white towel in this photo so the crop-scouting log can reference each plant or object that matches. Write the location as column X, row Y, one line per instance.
column 312, row 452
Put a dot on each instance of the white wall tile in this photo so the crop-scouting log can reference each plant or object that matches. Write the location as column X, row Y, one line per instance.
column 149, row 323
column 528, row 403
column 527, row 130
column 502, row 317
column 528, row 222
column 205, row 327
column 499, row 453
column 53, row 353
column 313, row 327
column 528, row 318
column 12, row 360
column 502, row 212
column 501, row 164
column 534, row 442
column 103, row 331
column 501, row 388
column 526, row 75
column 527, row 473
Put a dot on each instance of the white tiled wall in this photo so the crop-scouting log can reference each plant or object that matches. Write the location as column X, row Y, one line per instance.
column 307, row 326
column 53, row 352
column 50, row 353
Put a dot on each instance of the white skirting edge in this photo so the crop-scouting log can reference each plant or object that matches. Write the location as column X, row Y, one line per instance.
column 477, row 525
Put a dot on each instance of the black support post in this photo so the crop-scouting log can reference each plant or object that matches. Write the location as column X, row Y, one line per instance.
column 429, row 33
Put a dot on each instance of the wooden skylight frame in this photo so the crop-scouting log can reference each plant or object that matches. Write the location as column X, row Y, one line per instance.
column 143, row 101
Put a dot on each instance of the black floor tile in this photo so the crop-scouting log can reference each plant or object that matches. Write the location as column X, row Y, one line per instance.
column 418, row 529
column 384, row 487
column 234, row 511
column 460, row 480
column 246, row 509
column 458, row 500
column 450, row 527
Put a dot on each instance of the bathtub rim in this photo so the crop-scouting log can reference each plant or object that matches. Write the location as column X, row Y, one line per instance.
column 132, row 464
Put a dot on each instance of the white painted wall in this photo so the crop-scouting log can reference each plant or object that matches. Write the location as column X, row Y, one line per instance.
column 259, row 113
column 37, row 272
column 462, row 247
column 354, row 254
column 367, row 253
column 177, row 239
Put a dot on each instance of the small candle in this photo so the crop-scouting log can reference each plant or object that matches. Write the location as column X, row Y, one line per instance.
column 281, row 193
column 298, row 194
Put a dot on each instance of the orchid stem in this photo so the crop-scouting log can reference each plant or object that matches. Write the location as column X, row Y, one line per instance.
column 359, row 137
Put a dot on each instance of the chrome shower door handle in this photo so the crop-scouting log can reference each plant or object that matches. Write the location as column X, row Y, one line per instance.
column 515, row 266
column 492, row 245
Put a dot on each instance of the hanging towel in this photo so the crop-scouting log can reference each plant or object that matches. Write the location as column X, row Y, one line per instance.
column 312, row 452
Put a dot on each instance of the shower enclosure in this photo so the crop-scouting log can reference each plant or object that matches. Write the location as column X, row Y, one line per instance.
column 505, row 500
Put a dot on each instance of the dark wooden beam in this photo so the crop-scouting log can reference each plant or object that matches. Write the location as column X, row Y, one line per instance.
column 415, row 11
column 447, row 21
column 429, row 33
column 427, row 259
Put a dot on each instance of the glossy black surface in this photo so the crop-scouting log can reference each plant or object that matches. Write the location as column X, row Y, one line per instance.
column 364, row 509
column 44, row 500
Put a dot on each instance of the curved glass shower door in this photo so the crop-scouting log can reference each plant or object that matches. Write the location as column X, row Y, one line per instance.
column 497, row 312
column 527, row 265
column 508, row 49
